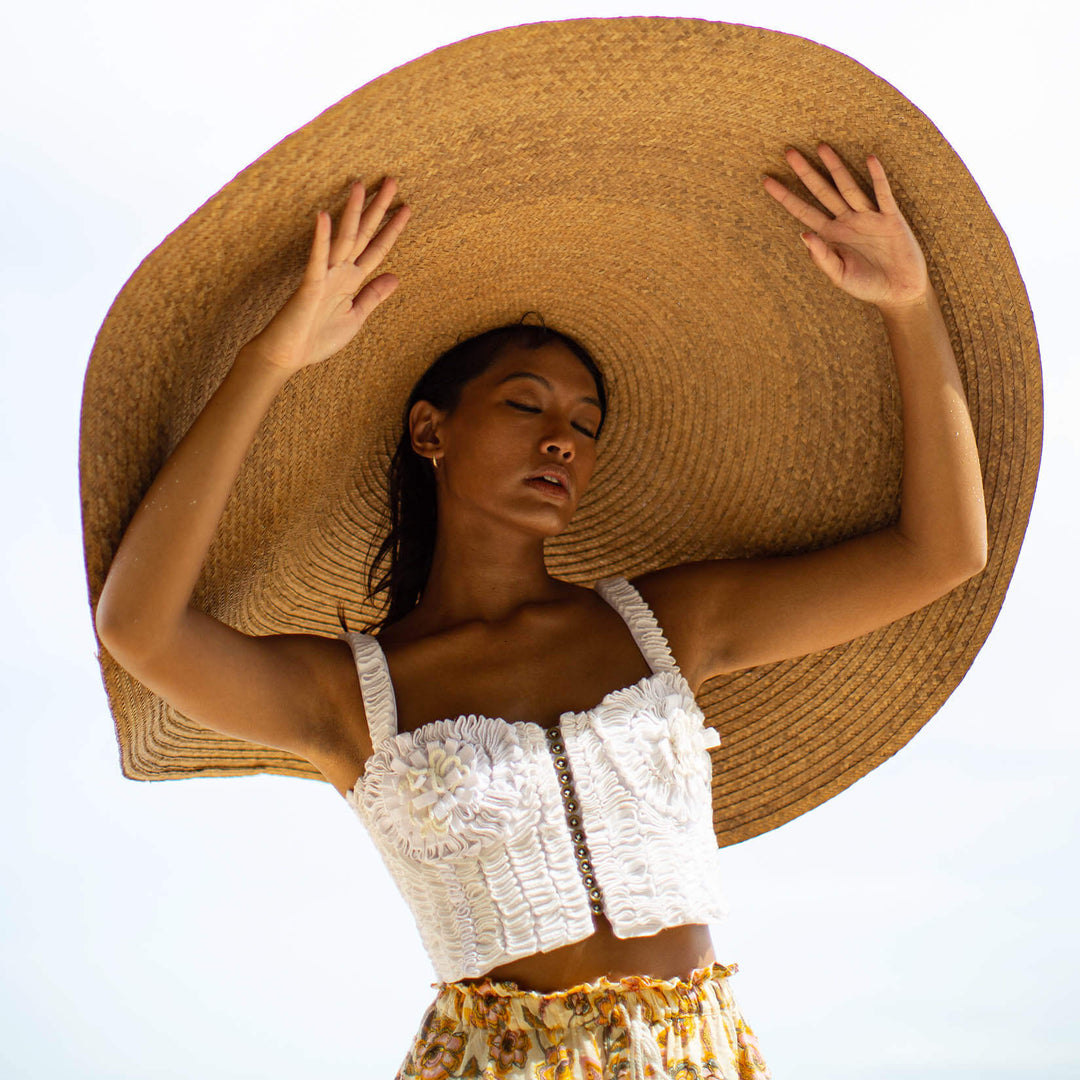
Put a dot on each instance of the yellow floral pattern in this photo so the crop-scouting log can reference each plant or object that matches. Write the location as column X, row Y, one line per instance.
column 634, row 1028
column 443, row 1050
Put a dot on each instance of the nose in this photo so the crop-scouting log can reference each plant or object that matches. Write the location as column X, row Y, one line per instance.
column 561, row 441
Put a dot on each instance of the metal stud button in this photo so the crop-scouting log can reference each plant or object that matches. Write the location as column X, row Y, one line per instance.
column 581, row 851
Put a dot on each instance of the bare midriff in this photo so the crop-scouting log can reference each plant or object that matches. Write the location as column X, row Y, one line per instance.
column 670, row 954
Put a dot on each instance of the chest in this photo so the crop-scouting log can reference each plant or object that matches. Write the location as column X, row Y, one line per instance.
column 530, row 678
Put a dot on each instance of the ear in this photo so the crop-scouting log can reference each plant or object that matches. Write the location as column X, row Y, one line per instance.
column 425, row 422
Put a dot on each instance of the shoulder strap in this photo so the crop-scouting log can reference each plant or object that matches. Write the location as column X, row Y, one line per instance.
column 376, row 689
column 638, row 616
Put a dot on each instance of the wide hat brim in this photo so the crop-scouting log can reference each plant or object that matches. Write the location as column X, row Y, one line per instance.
column 605, row 173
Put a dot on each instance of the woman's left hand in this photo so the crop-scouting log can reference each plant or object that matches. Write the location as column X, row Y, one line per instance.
column 869, row 252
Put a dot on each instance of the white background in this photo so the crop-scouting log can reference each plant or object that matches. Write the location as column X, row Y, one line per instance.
column 917, row 925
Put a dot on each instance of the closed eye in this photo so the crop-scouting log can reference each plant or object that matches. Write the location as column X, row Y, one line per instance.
column 533, row 409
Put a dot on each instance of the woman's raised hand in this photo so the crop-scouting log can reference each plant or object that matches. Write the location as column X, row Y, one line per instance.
column 329, row 306
column 869, row 252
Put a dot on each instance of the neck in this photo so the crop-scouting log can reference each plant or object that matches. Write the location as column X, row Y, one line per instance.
column 484, row 573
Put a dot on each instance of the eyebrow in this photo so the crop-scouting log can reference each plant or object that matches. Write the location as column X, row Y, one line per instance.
column 540, row 379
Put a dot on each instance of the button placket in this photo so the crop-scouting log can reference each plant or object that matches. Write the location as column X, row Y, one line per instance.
column 573, row 819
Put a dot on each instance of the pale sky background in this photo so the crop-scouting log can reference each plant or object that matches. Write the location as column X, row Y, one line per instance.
column 921, row 924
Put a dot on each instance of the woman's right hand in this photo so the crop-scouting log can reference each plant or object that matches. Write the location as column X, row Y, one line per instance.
column 329, row 307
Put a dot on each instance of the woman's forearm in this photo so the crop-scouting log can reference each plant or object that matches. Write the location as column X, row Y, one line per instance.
column 942, row 512
column 151, row 579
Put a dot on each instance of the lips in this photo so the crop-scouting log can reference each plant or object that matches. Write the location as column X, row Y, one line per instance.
column 557, row 472
column 555, row 490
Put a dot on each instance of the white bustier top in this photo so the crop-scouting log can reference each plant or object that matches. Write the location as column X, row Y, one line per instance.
column 504, row 838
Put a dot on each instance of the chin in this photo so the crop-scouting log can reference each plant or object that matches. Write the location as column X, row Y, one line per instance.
column 553, row 524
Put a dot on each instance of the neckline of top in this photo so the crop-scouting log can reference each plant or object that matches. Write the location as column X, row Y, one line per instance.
column 611, row 694
column 631, row 606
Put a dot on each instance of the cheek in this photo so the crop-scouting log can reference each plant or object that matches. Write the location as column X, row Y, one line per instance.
column 586, row 473
column 487, row 456
column 587, row 455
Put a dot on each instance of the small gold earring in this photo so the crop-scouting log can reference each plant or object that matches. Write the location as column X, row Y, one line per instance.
column 435, row 462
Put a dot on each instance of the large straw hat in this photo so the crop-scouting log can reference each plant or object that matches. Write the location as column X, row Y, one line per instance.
column 605, row 173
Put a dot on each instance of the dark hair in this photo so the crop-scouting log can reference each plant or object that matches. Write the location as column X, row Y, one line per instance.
column 410, row 544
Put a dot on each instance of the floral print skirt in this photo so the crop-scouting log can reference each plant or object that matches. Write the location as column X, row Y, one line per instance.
column 629, row 1029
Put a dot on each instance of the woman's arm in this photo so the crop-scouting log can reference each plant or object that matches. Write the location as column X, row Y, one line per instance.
column 270, row 690
column 155, row 569
column 942, row 512
column 729, row 614
column 275, row 689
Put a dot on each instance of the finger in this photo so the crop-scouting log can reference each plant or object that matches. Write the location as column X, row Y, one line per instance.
column 824, row 257
column 373, row 215
column 825, row 193
column 372, row 295
column 856, row 197
column 320, row 247
column 350, row 218
column 807, row 214
column 882, row 190
column 379, row 248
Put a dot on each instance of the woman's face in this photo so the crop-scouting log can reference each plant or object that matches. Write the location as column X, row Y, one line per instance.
column 533, row 410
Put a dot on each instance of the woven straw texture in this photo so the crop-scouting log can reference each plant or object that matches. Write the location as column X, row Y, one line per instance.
column 607, row 174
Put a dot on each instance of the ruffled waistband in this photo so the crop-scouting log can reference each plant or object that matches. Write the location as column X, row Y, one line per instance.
column 606, row 1001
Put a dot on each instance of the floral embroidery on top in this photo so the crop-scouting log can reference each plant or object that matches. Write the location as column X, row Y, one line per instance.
column 657, row 744
column 432, row 785
column 450, row 788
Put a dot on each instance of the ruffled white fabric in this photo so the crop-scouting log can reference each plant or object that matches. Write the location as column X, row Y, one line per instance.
column 653, row 736
column 500, row 882
column 630, row 604
column 376, row 689
column 648, row 823
column 468, row 815
column 451, row 789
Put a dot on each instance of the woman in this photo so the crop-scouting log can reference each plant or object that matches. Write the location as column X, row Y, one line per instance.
column 478, row 628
